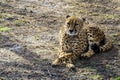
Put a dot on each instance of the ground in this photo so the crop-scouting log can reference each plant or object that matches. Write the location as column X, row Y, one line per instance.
column 29, row 39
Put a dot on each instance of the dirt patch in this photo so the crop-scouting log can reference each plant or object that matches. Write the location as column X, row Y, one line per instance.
column 29, row 39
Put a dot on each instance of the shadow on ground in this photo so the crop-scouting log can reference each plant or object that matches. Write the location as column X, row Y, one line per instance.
column 37, row 69
column 106, row 64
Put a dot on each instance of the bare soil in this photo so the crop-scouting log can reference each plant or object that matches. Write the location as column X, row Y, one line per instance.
column 30, row 44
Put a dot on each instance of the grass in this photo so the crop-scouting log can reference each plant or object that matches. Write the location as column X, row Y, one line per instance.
column 4, row 29
column 3, row 1
column 6, row 15
column 2, row 78
column 96, row 77
column 0, row 15
column 105, row 16
column 117, row 78
column 20, row 22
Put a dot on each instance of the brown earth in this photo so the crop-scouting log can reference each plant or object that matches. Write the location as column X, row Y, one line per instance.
column 30, row 42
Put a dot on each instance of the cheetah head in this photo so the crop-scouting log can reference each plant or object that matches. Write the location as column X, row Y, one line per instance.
column 73, row 25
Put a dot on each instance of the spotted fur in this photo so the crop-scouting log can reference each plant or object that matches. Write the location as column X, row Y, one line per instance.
column 77, row 39
column 73, row 42
column 97, row 37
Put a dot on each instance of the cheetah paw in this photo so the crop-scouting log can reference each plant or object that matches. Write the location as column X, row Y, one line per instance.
column 88, row 54
column 55, row 63
column 71, row 67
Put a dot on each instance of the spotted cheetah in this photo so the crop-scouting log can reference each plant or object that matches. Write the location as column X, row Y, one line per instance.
column 77, row 40
column 73, row 41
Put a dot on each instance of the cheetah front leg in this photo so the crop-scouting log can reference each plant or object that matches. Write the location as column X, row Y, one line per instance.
column 88, row 54
column 69, row 63
column 57, row 62
column 65, row 59
column 60, row 60
column 91, row 51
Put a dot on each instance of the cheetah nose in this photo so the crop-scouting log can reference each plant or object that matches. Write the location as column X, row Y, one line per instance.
column 70, row 31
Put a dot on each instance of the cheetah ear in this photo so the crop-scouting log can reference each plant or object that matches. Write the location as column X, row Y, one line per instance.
column 67, row 16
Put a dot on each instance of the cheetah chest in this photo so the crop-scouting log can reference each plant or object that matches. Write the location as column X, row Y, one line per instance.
column 75, row 44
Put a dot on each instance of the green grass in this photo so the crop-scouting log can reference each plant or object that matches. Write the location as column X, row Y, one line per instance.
column 4, row 29
column 96, row 77
column 19, row 22
column 5, row 15
column 3, row 1
column 0, row 15
column 2, row 78
column 117, row 78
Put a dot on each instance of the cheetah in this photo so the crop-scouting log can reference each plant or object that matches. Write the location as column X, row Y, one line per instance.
column 78, row 40
column 73, row 41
